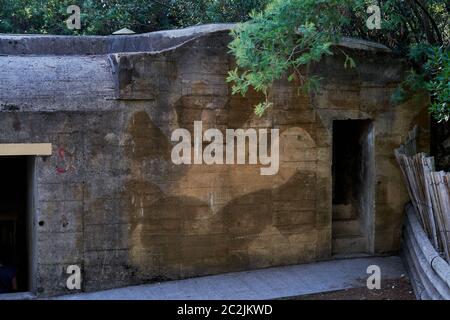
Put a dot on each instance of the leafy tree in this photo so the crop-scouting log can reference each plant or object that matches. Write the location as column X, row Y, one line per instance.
column 102, row 17
column 291, row 34
column 191, row 12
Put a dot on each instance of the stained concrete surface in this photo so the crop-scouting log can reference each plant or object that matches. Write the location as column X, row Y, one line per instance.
column 272, row 283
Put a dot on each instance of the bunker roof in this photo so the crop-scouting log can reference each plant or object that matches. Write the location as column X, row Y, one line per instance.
column 148, row 42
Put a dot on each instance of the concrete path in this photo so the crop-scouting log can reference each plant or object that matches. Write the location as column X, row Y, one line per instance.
column 273, row 283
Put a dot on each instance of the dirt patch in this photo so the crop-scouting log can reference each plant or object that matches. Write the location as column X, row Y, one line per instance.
column 400, row 289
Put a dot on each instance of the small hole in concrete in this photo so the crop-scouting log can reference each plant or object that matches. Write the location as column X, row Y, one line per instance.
column 41, row 223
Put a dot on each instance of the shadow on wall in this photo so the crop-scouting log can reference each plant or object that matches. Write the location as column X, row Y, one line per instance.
column 179, row 236
column 176, row 236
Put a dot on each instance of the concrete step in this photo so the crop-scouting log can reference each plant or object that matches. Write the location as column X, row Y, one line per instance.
column 342, row 211
column 349, row 227
column 356, row 255
column 347, row 245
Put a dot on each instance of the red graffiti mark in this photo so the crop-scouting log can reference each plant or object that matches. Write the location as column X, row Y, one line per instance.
column 60, row 170
column 61, row 161
column 64, row 163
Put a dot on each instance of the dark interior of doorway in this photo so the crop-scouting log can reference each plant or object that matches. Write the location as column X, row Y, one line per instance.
column 13, row 218
column 352, row 185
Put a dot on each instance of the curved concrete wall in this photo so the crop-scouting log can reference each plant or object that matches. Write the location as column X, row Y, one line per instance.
column 430, row 274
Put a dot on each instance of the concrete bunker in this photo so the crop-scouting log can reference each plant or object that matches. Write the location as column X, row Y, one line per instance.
column 113, row 203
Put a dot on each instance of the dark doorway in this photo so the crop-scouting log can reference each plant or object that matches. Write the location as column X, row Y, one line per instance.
column 14, row 241
column 352, row 186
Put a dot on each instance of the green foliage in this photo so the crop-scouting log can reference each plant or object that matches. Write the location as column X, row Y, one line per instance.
column 234, row 10
column 97, row 17
column 292, row 34
column 431, row 74
column 436, row 73
column 190, row 12
column 102, row 17
column 281, row 40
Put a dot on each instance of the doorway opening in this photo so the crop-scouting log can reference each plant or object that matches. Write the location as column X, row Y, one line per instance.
column 353, row 187
column 16, row 207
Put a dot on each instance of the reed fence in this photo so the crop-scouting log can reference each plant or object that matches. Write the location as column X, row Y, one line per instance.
column 429, row 192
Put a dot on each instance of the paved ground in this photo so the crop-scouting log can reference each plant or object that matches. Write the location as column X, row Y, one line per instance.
column 273, row 283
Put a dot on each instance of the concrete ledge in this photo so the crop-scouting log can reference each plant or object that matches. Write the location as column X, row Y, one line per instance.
column 101, row 45
column 147, row 42
column 429, row 273
column 359, row 44
column 26, row 149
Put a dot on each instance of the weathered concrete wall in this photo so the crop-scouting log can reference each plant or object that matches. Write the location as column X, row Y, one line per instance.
column 110, row 200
